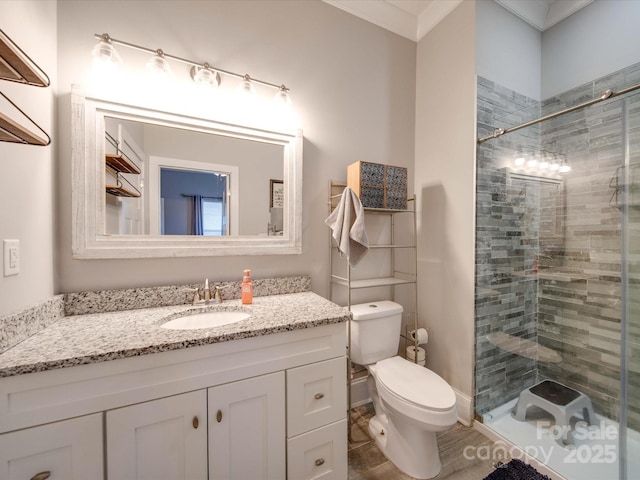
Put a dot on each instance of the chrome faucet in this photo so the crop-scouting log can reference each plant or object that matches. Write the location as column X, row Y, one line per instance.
column 207, row 291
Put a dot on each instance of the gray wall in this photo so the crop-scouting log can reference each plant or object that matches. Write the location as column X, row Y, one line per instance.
column 508, row 50
column 28, row 194
column 352, row 83
column 445, row 128
column 595, row 41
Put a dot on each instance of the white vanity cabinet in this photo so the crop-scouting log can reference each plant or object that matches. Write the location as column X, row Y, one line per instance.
column 66, row 450
column 164, row 439
column 270, row 407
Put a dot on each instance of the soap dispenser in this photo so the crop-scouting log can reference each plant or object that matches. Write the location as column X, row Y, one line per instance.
column 247, row 288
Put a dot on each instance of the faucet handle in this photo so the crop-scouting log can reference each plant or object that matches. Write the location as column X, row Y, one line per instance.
column 196, row 294
column 217, row 293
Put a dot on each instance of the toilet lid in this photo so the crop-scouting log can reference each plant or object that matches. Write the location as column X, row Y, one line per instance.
column 415, row 384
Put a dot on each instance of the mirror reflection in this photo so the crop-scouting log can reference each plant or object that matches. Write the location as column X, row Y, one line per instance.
column 162, row 180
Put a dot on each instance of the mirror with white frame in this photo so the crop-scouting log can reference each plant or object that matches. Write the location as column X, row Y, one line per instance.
column 158, row 184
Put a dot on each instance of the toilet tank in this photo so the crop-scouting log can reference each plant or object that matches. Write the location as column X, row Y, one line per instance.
column 375, row 331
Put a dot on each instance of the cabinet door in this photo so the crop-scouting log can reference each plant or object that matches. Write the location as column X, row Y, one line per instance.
column 67, row 450
column 247, row 429
column 163, row 439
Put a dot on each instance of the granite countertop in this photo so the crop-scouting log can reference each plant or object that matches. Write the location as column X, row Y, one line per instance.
column 99, row 337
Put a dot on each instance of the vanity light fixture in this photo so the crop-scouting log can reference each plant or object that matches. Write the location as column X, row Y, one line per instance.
column 201, row 73
column 245, row 87
column 158, row 65
column 105, row 54
column 205, row 76
column 282, row 96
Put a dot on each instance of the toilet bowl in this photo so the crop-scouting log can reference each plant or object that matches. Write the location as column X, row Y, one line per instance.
column 411, row 402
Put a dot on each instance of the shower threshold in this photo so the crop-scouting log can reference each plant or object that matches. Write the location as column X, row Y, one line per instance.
column 595, row 454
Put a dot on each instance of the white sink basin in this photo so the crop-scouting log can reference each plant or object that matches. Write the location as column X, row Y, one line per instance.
column 194, row 321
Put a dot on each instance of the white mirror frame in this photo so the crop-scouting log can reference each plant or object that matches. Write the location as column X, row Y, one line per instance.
column 88, row 201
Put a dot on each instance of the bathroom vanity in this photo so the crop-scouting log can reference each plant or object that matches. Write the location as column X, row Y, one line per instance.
column 116, row 396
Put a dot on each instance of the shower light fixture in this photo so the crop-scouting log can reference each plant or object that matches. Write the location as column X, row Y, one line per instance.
column 540, row 161
column 201, row 73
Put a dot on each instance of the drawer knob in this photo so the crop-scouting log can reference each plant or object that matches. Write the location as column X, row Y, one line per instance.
column 319, row 462
column 318, row 396
column 219, row 416
column 195, row 422
column 41, row 476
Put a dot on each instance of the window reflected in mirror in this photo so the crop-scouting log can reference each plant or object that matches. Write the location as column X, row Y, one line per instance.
column 185, row 182
column 193, row 202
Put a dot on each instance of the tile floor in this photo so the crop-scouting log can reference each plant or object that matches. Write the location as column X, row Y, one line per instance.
column 367, row 463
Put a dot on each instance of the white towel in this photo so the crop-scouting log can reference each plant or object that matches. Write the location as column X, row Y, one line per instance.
column 347, row 223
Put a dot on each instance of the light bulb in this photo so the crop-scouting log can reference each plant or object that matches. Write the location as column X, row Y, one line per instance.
column 532, row 163
column 519, row 162
column 544, row 165
column 105, row 56
column 564, row 169
column 205, row 77
column 554, row 167
column 282, row 96
column 245, row 87
column 158, row 65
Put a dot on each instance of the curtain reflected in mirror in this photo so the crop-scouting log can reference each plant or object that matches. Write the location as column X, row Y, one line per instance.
column 194, row 202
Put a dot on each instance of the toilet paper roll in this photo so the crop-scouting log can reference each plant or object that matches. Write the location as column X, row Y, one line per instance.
column 422, row 334
column 411, row 355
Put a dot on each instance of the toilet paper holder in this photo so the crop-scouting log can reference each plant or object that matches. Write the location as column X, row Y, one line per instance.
column 420, row 336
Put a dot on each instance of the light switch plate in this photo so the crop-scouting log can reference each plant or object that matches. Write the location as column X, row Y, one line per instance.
column 11, row 257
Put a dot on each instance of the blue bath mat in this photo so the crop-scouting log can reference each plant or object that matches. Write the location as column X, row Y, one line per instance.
column 516, row 470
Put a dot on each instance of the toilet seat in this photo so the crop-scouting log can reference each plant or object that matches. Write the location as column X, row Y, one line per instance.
column 415, row 391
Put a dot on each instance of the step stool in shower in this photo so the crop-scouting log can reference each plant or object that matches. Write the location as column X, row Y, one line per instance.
column 559, row 400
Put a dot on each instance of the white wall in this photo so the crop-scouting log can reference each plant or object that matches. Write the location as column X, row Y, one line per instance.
column 595, row 41
column 352, row 83
column 26, row 195
column 445, row 189
column 508, row 50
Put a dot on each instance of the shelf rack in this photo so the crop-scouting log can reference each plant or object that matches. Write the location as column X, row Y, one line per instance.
column 120, row 163
column 16, row 66
column 395, row 278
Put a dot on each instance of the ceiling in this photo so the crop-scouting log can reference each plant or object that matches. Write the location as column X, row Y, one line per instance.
column 413, row 19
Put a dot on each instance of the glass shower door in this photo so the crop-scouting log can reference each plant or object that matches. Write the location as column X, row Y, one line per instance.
column 630, row 358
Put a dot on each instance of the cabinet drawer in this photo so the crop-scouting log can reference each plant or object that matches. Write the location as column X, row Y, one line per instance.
column 319, row 454
column 316, row 395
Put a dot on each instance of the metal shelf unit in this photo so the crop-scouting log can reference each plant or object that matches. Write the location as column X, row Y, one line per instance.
column 392, row 279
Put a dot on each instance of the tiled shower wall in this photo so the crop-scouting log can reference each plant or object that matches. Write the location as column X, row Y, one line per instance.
column 549, row 255
column 507, row 225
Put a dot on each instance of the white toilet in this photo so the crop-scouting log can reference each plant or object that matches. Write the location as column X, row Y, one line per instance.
column 411, row 402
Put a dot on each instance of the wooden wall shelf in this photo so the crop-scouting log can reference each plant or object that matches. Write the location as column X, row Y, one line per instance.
column 16, row 66
column 122, row 191
column 121, row 163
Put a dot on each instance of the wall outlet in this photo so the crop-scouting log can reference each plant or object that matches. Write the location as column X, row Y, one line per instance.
column 11, row 257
